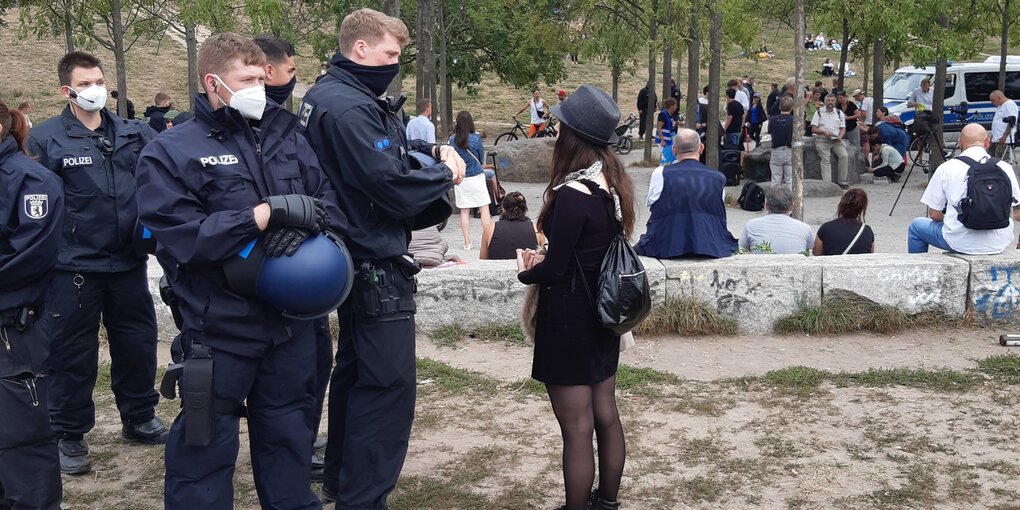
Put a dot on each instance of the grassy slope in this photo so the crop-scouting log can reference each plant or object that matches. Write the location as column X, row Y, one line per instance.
column 153, row 68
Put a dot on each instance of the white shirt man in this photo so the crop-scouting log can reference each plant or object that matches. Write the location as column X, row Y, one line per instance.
column 867, row 105
column 921, row 96
column 777, row 232
column 828, row 127
column 1004, row 108
column 421, row 127
column 948, row 186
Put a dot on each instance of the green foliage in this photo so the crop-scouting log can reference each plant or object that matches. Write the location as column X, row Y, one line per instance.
column 1005, row 367
column 448, row 335
column 629, row 378
column 848, row 313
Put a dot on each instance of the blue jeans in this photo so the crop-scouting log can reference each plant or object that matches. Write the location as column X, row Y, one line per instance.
column 732, row 139
column 925, row 232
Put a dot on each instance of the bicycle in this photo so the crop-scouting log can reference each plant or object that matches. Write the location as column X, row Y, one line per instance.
column 625, row 143
column 519, row 131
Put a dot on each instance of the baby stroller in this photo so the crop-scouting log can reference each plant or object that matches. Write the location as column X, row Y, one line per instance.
column 626, row 142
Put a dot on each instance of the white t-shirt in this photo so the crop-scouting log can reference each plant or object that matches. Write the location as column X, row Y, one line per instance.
column 919, row 96
column 830, row 122
column 945, row 190
column 743, row 99
column 421, row 128
column 1006, row 109
column 536, row 111
column 869, row 110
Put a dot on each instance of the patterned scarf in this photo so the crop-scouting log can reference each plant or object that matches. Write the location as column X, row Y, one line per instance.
column 589, row 174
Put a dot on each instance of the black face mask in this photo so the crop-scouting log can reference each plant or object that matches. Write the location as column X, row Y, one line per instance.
column 279, row 93
column 376, row 78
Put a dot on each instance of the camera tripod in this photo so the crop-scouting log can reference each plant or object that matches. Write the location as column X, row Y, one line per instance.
column 923, row 142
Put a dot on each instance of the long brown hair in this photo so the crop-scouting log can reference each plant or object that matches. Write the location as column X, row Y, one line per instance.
column 14, row 124
column 465, row 126
column 573, row 153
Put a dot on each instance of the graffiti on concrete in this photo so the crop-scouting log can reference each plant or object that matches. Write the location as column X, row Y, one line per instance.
column 999, row 297
column 733, row 294
column 491, row 291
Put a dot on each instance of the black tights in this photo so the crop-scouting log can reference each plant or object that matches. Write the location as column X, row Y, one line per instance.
column 580, row 411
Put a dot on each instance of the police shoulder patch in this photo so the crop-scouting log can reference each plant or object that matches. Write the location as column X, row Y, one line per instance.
column 37, row 206
column 381, row 144
column 305, row 113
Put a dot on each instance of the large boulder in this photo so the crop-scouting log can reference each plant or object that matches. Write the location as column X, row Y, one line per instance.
column 524, row 160
column 756, row 163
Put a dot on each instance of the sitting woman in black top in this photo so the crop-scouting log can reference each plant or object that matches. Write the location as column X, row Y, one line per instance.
column 514, row 231
column 847, row 234
column 589, row 199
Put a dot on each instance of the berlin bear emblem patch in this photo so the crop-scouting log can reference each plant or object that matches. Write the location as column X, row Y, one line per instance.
column 37, row 206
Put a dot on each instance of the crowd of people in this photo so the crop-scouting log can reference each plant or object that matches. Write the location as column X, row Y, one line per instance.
column 243, row 181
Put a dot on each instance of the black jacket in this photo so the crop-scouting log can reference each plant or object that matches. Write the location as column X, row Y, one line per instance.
column 642, row 99
column 363, row 150
column 32, row 208
column 99, row 190
column 156, row 116
column 197, row 186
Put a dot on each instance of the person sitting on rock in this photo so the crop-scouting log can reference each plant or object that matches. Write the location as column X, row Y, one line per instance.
column 777, row 232
column 688, row 216
column 945, row 227
column 513, row 231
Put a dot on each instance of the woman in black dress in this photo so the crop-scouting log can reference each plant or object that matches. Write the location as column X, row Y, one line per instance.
column 589, row 200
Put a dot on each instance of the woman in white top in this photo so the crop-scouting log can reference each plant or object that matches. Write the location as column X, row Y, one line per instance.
column 889, row 162
column 539, row 112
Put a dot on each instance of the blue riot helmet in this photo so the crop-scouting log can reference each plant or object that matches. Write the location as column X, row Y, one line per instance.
column 438, row 211
column 309, row 284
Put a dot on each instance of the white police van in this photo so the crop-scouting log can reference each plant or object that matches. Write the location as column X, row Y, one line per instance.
column 965, row 82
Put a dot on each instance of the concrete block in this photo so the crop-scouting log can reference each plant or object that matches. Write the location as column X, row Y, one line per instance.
column 756, row 290
column 913, row 283
column 166, row 330
column 656, row 279
column 994, row 286
column 472, row 294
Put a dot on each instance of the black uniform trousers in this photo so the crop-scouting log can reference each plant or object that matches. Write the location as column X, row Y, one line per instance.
column 29, row 468
column 125, row 305
column 371, row 402
column 279, row 388
column 323, row 368
column 642, row 118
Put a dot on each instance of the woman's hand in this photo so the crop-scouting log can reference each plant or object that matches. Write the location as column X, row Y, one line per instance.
column 526, row 259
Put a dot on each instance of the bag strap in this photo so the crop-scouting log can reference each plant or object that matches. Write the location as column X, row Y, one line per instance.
column 584, row 280
column 856, row 237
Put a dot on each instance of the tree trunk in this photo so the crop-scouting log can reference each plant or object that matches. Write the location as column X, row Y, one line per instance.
column 191, row 40
column 68, row 32
column 798, row 112
column 878, row 73
column 420, row 31
column 1003, row 46
column 693, row 70
column 392, row 8
column 937, row 101
column 714, row 85
column 118, row 55
column 653, row 27
column 843, row 53
column 667, row 72
column 865, row 69
column 430, row 66
column 444, row 78
column 614, row 69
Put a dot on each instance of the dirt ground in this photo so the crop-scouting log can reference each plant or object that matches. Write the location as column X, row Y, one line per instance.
column 714, row 422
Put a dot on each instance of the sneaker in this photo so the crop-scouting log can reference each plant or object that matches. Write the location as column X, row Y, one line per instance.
column 152, row 431
column 844, row 186
column 74, row 455
column 318, row 467
column 326, row 495
column 467, row 247
column 320, row 444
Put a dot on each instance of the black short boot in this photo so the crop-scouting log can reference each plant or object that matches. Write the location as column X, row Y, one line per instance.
column 596, row 502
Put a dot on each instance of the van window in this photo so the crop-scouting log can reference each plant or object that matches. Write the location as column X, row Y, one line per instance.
column 900, row 85
column 979, row 85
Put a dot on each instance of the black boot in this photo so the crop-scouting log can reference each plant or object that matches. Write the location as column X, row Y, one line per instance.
column 596, row 502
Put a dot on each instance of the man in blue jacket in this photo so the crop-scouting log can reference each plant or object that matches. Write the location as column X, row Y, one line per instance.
column 239, row 173
column 32, row 205
column 686, row 201
column 100, row 270
column 364, row 151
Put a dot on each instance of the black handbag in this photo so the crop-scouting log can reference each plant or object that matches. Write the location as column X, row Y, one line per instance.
column 624, row 298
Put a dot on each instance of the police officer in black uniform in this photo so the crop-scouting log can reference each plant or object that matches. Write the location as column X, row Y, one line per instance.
column 32, row 204
column 210, row 190
column 281, row 77
column 361, row 144
column 100, row 272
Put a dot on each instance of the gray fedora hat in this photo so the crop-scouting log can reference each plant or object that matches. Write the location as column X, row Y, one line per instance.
column 591, row 113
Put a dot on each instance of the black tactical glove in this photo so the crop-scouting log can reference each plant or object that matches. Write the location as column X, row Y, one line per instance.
column 283, row 240
column 296, row 211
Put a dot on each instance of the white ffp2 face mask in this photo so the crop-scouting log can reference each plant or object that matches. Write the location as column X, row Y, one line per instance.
column 90, row 99
column 251, row 102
